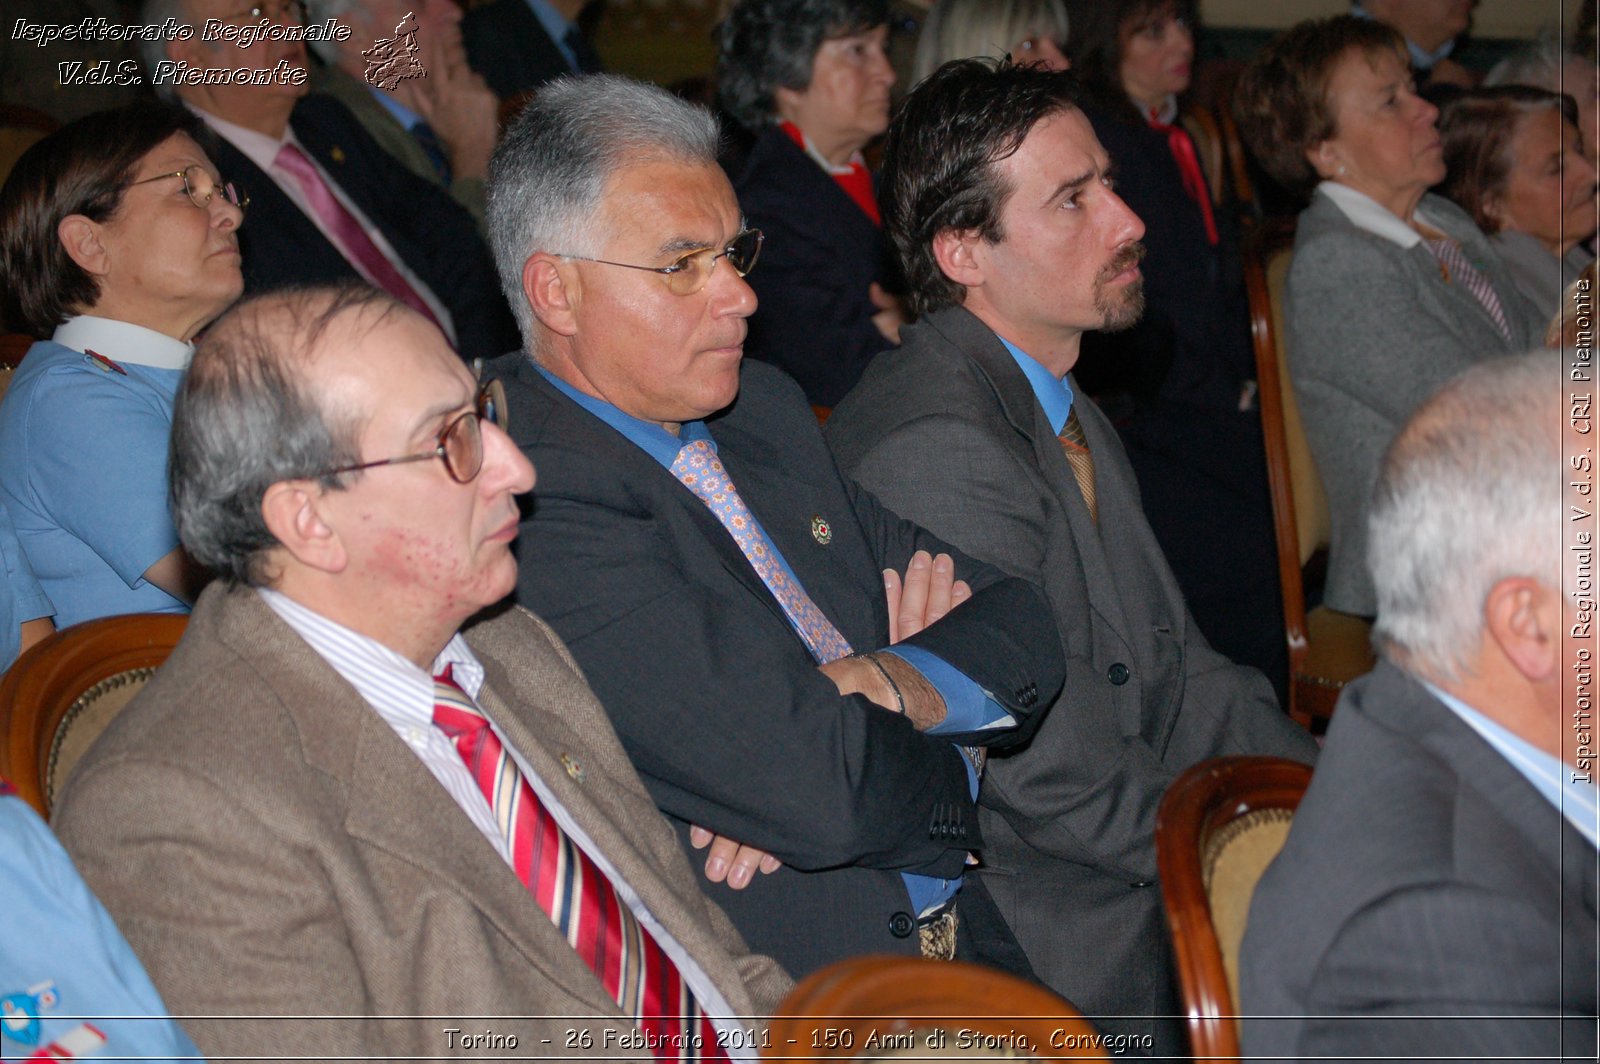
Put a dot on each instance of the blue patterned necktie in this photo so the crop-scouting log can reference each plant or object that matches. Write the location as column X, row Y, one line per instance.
column 700, row 470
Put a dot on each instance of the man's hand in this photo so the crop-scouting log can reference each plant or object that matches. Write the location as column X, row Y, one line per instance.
column 463, row 111
column 728, row 860
column 929, row 591
column 890, row 316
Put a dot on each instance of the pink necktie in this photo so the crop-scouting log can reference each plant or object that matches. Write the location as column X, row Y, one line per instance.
column 354, row 239
column 698, row 467
column 575, row 893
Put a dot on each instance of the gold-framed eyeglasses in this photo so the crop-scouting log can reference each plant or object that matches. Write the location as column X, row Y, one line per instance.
column 460, row 445
column 201, row 185
column 691, row 272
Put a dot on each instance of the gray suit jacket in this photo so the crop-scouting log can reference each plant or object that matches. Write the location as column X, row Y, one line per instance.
column 395, row 139
column 1424, row 880
column 948, row 432
column 273, row 850
column 1374, row 329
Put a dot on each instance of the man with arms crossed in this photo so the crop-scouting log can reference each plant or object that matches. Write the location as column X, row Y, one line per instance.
column 335, row 823
column 695, row 546
column 1000, row 200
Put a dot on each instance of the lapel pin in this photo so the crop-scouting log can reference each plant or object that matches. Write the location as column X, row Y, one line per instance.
column 105, row 363
column 574, row 769
column 821, row 531
column 338, row 154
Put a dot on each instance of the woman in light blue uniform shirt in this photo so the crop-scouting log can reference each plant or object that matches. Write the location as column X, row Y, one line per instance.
column 118, row 244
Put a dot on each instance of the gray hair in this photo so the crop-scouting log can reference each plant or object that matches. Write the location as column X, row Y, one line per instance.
column 244, row 421
column 1468, row 495
column 1538, row 64
column 551, row 168
column 153, row 50
column 319, row 11
column 967, row 29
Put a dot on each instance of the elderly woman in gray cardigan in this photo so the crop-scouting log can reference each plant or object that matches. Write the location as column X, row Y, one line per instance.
column 1391, row 291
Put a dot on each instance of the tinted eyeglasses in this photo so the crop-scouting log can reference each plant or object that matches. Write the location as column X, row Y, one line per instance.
column 460, row 445
column 690, row 273
column 201, row 184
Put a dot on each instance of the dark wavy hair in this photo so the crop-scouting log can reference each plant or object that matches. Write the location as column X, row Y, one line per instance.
column 939, row 160
column 82, row 168
column 1095, row 47
column 765, row 45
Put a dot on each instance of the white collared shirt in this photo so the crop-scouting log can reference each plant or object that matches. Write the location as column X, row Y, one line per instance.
column 263, row 151
column 1367, row 213
column 402, row 694
column 129, row 342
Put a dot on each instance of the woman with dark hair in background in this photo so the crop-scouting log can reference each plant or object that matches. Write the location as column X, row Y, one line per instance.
column 118, row 244
column 1391, row 291
column 1186, row 371
column 810, row 80
column 1514, row 160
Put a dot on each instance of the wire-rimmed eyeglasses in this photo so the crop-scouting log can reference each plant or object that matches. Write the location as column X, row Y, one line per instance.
column 460, row 445
column 691, row 272
column 201, row 185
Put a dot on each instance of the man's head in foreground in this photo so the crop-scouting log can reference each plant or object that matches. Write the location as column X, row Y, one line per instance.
column 1466, row 544
column 999, row 198
column 621, row 247
column 328, row 444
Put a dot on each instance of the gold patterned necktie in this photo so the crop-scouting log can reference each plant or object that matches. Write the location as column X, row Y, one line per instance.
column 1076, row 447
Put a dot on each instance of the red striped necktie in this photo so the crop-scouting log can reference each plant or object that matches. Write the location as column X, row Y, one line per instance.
column 575, row 893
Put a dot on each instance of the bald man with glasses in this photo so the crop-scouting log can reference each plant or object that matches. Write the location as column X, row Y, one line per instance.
column 342, row 821
column 720, row 584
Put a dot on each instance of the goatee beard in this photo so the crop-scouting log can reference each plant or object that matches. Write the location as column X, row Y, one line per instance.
column 1122, row 309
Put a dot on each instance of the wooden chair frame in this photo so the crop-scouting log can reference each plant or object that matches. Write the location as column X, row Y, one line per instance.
column 834, row 1012
column 39, row 692
column 1200, row 803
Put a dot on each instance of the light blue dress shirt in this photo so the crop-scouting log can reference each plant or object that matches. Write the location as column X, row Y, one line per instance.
column 1053, row 393
column 1577, row 799
column 967, row 707
column 83, row 472
column 67, row 976
column 407, row 118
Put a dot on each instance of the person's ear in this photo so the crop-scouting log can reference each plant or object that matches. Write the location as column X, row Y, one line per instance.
column 552, row 288
column 81, row 238
column 1523, row 617
column 295, row 512
column 957, row 251
column 1324, row 159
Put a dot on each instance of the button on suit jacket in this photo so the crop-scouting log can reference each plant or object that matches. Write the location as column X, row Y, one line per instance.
column 274, row 852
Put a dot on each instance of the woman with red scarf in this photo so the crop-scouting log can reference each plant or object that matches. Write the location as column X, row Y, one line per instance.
column 810, row 80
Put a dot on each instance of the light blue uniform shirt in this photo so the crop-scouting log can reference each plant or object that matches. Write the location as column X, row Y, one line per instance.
column 22, row 599
column 967, row 708
column 1577, row 799
column 67, row 976
column 83, row 465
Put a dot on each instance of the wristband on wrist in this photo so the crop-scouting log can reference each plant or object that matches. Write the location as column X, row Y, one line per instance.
column 899, row 699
